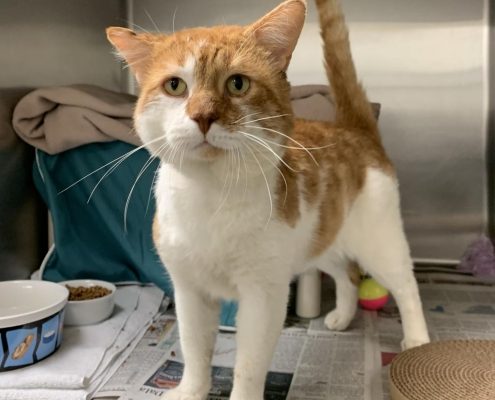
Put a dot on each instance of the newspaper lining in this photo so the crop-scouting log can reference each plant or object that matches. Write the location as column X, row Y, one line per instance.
column 311, row 362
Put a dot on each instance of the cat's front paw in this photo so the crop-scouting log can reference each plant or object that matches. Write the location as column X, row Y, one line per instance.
column 337, row 321
column 178, row 394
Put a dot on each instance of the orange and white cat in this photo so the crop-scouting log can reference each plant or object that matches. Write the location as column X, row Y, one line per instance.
column 247, row 195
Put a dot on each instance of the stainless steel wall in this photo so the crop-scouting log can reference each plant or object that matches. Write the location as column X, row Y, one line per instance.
column 491, row 121
column 58, row 42
column 426, row 62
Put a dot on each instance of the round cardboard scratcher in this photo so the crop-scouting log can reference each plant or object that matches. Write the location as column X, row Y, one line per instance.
column 450, row 370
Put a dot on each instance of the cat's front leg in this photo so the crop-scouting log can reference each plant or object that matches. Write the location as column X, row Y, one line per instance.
column 197, row 315
column 260, row 319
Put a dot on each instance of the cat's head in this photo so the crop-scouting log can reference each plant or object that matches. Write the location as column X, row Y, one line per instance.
column 208, row 92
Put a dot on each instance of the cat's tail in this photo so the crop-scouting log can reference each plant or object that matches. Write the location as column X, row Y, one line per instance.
column 353, row 109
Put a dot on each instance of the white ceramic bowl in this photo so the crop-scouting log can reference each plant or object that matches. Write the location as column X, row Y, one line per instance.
column 87, row 312
column 31, row 321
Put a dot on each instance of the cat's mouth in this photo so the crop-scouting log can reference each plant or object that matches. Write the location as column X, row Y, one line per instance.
column 203, row 145
column 207, row 150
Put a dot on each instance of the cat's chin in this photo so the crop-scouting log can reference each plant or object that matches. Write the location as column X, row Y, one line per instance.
column 206, row 152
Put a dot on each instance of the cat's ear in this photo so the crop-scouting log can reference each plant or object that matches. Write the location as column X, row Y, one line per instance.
column 279, row 30
column 134, row 48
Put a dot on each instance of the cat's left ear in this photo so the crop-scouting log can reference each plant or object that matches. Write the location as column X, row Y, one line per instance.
column 279, row 30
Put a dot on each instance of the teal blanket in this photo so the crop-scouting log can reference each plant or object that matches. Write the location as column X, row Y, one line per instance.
column 90, row 236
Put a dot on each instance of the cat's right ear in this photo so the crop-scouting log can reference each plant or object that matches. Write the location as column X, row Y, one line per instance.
column 134, row 48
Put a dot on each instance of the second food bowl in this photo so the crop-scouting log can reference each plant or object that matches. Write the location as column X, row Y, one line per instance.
column 90, row 301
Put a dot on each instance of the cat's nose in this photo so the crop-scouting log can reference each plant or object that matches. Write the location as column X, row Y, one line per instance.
column 204, row 121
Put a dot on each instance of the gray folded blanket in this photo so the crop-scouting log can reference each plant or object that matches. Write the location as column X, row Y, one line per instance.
column 55, row 119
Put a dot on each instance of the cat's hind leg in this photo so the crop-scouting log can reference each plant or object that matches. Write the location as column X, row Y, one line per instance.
column 374, row 235
column 343, row 272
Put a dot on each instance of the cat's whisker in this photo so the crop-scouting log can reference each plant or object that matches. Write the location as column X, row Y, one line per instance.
column 174, row 151
column 158, row 154
column 299, row 148
column 238, row 164
column 134, row 25
column 265, row 118
column 231, row 173
column 234, row 163
column 100, row 168
column 281, row 174
column 115, row 166
column 91, row 173
column 173, row 19
column 227, row 177
column 246, row 116
column 153, row 182
column 117, row 160
column 178, row 151
column 171, row 158
column 226, row 170
column 266, row 182
column 183, row 151
column 245, row 174
column 259, row 141
column 151, row 19
column 285, row 136
column 140, row 174
column 168, row 153
column 106, row 174
column 225, row 184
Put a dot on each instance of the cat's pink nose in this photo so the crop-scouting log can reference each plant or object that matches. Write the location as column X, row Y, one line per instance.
column 204, row 122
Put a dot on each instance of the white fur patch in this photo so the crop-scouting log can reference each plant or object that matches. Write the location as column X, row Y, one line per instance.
column 165, row 117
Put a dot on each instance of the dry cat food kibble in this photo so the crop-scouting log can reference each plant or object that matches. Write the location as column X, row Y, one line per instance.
column 77, row 293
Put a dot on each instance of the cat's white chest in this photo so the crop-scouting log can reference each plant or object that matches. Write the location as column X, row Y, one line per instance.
column 214, row 237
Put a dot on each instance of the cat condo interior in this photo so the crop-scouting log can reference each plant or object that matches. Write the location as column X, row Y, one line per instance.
column 427, row 64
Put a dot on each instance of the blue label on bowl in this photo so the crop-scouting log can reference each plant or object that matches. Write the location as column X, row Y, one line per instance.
column 21, row 343
column 60, row 327
column 49, row 333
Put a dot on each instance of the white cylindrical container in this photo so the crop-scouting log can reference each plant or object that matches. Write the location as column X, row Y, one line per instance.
column 308, row 297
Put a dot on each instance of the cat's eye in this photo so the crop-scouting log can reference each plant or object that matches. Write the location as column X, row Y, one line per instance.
column 237, row 85
column 175, row 86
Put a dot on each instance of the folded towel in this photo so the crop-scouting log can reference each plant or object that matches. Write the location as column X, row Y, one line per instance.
column 55, row 119
column 43, row 394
